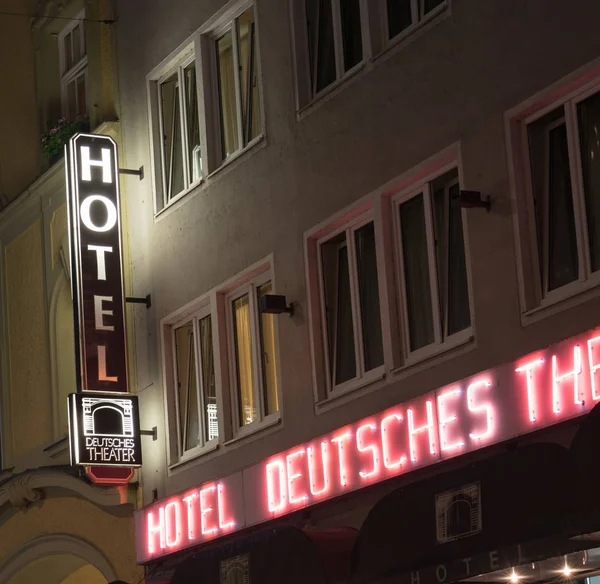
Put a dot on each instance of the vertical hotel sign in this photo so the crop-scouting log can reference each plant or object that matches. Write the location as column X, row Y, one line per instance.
column 105, row 432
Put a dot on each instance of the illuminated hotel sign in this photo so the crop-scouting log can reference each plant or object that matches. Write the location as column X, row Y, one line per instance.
column 103, row 418
column 104, row 429
column 538, row 390
column 96, row 270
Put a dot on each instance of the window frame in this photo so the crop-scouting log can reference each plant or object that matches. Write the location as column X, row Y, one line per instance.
column 441, row 342
column 418, row 7
column 362, row 376
column 77, row 69
column 250, row 287
column 536, row 301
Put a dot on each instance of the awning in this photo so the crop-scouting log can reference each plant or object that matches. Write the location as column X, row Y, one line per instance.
column 286, row 554
column 468, row 521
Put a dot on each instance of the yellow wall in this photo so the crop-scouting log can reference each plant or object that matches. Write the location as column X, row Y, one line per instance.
column 31, row 400
column 19, row 146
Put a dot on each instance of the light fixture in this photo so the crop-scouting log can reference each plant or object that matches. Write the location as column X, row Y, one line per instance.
column 567, row 571
column 470, row 199
column 274, row 304
column 514, row 577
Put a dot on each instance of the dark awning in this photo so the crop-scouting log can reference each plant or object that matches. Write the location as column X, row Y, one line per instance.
column 521, row 496
column 286, row 554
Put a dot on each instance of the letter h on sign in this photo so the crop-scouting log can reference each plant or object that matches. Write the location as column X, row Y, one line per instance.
column 96, row 263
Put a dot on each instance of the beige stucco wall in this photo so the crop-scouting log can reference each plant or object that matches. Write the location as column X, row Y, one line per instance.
column 29, row 371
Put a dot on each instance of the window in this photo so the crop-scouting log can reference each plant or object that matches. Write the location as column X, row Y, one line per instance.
column 238, row 93
column 253, row 355
column 179, row 148
column 351, row 321
column 194, row 383
column 73, row 68
column 433, row 281
column 559, row 197
column 400, row 15
column 334, row 39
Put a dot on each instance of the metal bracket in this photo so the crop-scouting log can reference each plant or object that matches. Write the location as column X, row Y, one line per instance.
column 153, row 433
column 139, row 172
column 136, row 300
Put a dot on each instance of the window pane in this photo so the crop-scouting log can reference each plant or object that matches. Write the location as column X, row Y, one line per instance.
column 227, row 99
column 368, row 288
column 187, row 392
column 553, row 199
column 450, row 256
column 81, row 96
column 209, row 392
column 77, row 53
column 319, row 24
column 71, row 100
column 68, row 50
column 269, row 363
column 243, row 360
column 416, row 273
column 338, row 310
column 193, row 124
column 351, row 33
column 399, row 16
column 251, row 120
column 172, row 147
column 429, row 5
column 589, row 136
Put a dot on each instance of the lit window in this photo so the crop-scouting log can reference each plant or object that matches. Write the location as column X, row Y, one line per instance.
column 254, row 355
column 350, row 303
column 179, row 129
column 73, row 68
column 402, row 14
column 432, row 266
column 194, row 377
column 238, row 94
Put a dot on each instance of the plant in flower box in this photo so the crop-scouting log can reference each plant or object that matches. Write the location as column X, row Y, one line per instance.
column 54, row 140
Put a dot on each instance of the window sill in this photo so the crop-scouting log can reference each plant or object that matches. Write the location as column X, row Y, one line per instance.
column 570, row 296
column 256, row 430
column 460, row 342
column 237, row 155
column 192, row 455
column 351, row 390
column 175, row 202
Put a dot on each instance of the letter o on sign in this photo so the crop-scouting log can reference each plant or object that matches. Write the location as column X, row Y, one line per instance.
column 111, row 213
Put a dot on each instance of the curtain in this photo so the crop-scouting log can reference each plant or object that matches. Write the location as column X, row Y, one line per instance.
column 243, row 346
column 251, row 115
column 368, row 288
column 227, row 99
column 319, row 27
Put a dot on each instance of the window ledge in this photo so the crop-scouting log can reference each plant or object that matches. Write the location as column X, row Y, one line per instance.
column 351, row 390
column 176, row 201
column 256, row 430
column 236, row 155
column 193, row 455
column 573, row 295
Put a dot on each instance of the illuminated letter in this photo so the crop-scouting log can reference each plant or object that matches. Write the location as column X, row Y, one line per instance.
column 311, row 470
column 276, row 466
column 100, row 258
column 190, row 514
column 160, row 529
column 102, row 365
column 372, row 449
column 204, row 511
column 222, row 523
column 528, row 369
column 556, row 379
column 412, row 431
column 99, row 313
column 292, row 476
column 385, row 445
column 86, row 163
column 487, row 408
column 594, row 366
column 339, row 440
column 444, row 420
column 169, row 528
column 111, row 213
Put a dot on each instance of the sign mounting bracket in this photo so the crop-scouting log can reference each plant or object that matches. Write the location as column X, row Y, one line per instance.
column 139, row 172
column 147, row 300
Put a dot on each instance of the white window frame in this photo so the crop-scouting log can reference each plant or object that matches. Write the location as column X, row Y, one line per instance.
column 199, row 309
column 362, row 377
column 216, row 31
column 442, row 341
column 250, row 287
column 418, row 19
column 78, row 69
column 536, row 301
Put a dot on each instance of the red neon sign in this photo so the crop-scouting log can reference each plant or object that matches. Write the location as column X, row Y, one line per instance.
column 538, row 390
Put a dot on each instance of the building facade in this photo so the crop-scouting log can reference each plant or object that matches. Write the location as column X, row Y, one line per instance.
column 418, row 180
column 56, row 525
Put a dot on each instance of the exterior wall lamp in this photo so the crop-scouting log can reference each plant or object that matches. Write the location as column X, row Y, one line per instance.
column 274, row 304
column 470, row 199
